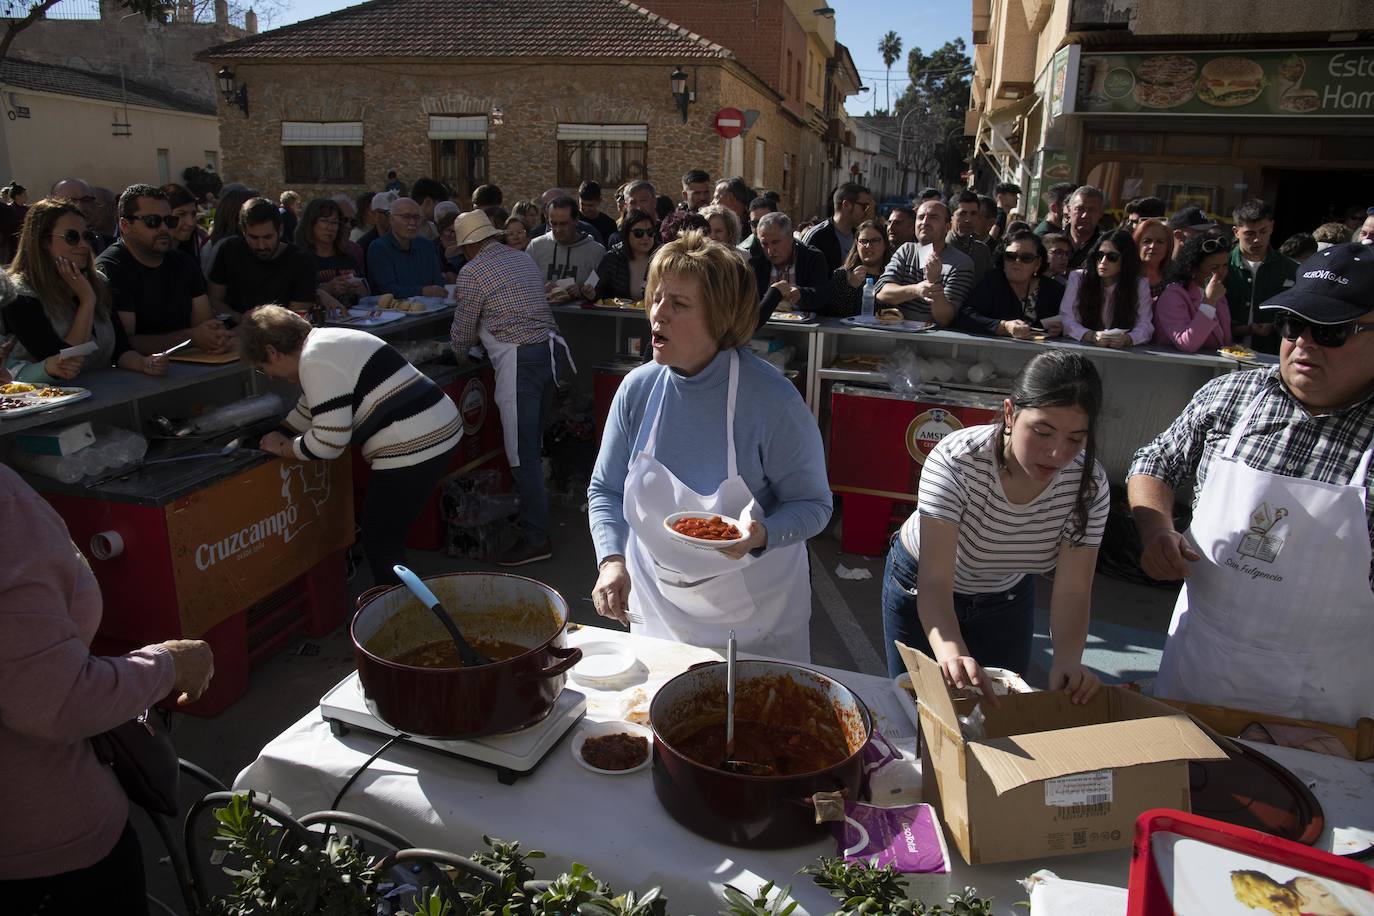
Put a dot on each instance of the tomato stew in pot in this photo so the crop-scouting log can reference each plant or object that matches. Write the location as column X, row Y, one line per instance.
column 443, row 653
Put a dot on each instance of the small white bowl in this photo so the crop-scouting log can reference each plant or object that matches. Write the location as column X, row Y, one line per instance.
column 603, row 661
column 614, row 727
column 699, row 543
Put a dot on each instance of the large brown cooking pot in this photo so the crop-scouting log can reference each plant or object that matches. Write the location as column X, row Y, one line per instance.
column 463, row 702
column 754, row 811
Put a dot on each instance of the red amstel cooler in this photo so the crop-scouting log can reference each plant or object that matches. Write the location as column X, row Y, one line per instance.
column 878, row 441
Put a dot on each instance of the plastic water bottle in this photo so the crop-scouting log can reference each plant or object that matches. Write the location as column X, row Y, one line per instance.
column 869, row 296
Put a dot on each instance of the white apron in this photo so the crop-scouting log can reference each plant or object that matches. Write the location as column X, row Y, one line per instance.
column 1278, row 615
column 698, row 596
column 504, row 365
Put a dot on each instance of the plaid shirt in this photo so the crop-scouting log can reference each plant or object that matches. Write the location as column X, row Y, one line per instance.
column 501, row 289
column 1282, row 438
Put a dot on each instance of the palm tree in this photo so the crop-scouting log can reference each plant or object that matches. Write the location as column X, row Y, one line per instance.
column 890, row 47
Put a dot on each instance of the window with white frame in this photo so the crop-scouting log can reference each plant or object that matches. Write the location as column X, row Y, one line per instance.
column 609, row 154
column 322, row 152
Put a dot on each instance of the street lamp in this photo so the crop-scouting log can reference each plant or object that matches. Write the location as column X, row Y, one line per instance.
column 233, row 93
column 681, row 93
column 901, row 140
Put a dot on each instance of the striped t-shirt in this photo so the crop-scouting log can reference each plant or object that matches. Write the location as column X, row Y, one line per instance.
column 356, row 388
column 999, row 541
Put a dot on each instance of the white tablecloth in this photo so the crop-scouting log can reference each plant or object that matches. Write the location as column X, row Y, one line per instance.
column 613, row 824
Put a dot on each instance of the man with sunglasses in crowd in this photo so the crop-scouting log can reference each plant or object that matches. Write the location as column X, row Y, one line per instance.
column 1276, row 611
column 80, row 193
column 1257, row 272
column 157, row 290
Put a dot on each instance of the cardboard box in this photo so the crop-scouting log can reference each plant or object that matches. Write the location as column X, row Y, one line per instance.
column 1050, row 778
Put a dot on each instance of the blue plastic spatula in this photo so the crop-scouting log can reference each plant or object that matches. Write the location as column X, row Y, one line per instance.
column 469, row 656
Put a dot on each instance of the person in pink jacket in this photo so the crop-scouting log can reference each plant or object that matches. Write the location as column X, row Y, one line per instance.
column 66, row 845
column 1191, row 313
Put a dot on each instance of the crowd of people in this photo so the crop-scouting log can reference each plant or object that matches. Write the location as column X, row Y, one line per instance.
column 706, row 424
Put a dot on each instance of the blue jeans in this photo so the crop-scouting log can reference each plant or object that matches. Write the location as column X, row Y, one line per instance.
column 534, row 384
column 997, row 627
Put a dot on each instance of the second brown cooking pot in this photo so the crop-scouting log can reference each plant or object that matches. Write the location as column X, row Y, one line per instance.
column 808, row 727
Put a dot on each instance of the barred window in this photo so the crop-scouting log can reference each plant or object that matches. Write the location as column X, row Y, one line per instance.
column 609, row 154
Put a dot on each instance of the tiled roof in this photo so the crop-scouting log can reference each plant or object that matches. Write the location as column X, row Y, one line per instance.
column 478, row 29
column 27, row 74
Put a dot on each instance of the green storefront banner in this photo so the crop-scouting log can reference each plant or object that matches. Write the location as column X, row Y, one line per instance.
column 1304, row 83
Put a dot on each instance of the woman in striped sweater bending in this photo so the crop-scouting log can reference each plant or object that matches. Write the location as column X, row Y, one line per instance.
column 998, row 504
column 355, row 387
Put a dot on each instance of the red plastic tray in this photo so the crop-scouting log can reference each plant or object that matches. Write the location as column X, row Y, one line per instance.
column 1217, row 864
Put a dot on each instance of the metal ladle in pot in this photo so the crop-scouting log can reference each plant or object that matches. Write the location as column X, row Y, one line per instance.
column 469, row 656
column 743, row 767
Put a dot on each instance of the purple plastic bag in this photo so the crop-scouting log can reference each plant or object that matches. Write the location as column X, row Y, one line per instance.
column 907, row 838
column 878, row 752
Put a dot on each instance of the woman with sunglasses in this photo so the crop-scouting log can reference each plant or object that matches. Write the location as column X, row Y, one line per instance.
column 1013, row 300
column 1155, row 244
column 1191, row 314
column 867, row 258
column 63, row 302
column 625, row 268
column 1107, row 302
column 1276, row 610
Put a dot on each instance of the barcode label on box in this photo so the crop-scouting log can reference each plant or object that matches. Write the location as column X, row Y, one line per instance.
column 1079, row 790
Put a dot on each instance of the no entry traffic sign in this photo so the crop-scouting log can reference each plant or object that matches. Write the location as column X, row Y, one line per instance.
column 729, row 122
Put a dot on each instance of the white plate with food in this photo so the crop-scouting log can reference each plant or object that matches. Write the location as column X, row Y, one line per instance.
column 793, row 317
column 890, row 323
column 362, row 318
column 706, row 530
column 603, row 661
column 416, row 305
column 1241, row 355
column 19, row 399
column 614, row 748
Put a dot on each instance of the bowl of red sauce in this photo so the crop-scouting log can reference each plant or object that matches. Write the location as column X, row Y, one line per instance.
column 706, row 530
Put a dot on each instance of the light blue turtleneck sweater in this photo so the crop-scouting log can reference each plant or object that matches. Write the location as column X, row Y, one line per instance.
column 780, row 455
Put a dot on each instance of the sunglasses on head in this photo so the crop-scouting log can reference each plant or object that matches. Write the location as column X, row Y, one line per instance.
column 1291, row 327
column 1111, row 257
column 153, row 220
column 73, row 238
column 1023, row 257
column 642, row 233
column 1213, row 245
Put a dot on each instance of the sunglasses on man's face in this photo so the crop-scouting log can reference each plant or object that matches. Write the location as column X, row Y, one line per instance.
column 1111, row 257
column 73, row 238
column 153, row 220
column 642, row 233
column 1291, row 327
column 1022, row 257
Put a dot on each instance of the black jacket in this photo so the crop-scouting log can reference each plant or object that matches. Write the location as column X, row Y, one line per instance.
column 613, row 274
column 822, row 237
column 993, row 300
column 810, row 275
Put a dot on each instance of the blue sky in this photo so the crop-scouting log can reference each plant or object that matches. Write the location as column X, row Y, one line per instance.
column 859, row 24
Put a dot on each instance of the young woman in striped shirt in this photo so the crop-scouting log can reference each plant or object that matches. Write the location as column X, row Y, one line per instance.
column 998, row 504
column 354, row 386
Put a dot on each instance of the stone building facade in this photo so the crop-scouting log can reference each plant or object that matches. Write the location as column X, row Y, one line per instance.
column 579, row 81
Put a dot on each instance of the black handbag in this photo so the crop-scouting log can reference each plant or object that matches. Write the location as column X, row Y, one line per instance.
column 145, row 763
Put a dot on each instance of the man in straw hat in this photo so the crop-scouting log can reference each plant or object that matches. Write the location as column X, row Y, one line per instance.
column 502, row 304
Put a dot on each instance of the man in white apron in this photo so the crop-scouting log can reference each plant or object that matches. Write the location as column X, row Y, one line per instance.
column 501, row 302
column 1277, row 613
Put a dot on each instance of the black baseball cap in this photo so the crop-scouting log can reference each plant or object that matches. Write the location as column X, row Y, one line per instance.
column 1191, row 218
column 1333, row 286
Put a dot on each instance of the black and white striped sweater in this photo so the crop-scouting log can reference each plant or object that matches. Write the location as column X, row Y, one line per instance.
column 355, row 387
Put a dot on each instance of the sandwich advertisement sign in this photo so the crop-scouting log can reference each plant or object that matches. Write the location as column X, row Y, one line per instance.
column 1305, row 83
